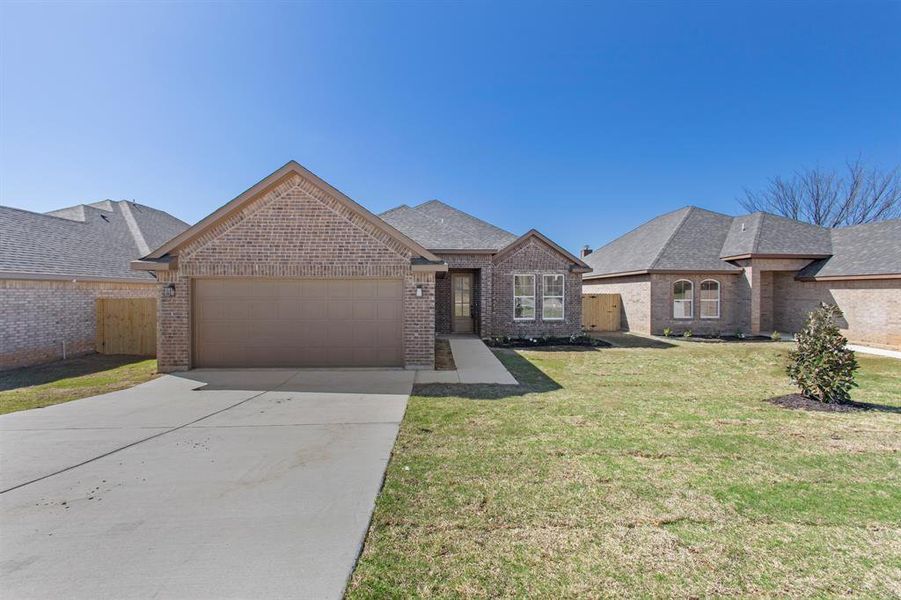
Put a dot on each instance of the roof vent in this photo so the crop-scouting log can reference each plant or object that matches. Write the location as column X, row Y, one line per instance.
column 742, row 226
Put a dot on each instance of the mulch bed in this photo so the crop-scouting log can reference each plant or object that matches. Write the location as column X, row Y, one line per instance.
column 799, row 402
column 542, row 342
column 444, row 358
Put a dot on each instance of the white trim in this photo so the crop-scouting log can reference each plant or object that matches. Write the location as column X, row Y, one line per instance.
column 718, row 299
column 533, row 297
column 672, row 291
column 562, row 296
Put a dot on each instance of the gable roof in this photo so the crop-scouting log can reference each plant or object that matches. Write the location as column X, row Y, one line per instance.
column 861, row 250
column 694, row 239
column 438, row 226
column 87, row 241
column 578, row 265
column 686, row 239
column 158, row 257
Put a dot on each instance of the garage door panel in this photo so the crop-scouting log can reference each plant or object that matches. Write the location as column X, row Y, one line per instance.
column 298, row 323
column 390, row 289
column 388, row 310
column 339, row 309
column 340, row 288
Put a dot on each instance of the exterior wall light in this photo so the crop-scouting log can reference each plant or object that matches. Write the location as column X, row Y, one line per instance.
column 419, row 290
column 169, row 291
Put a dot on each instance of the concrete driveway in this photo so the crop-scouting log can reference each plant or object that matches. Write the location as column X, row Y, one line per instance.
column 212, row 484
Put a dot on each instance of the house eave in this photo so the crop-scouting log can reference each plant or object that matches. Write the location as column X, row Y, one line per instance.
column 849, row 277
column 29, row 276
column 165, row 263
column 754, row 255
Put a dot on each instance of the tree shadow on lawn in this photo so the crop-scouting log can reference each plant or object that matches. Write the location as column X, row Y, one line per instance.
column 531, row 379
column 64, row 369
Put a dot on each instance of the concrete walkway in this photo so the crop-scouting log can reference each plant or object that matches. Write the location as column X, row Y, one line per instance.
column 475, row 364
column 876, row 351
column 260, row 484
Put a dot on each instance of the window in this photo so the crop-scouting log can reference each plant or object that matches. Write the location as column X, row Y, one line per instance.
column 523, row 297
column 710, row 299
column 552, row 297
column 682, row 300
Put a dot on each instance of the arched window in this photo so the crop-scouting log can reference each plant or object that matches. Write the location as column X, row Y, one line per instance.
column 682, row 300
column 710, row 299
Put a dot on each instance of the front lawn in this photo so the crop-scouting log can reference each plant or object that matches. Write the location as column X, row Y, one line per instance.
column 43, row 385
column 640, row 472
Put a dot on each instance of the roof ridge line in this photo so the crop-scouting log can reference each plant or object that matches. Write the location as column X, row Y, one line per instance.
column 670, row 238
column 758, row 232
column 133, row 227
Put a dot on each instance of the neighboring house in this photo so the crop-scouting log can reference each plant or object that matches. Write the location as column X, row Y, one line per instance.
column 294, row 273
column 53, row 266
column 710, row 273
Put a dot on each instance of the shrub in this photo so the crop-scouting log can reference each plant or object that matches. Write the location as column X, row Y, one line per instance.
column 740, row 334
column 822, row 365
column 667, row 332
column 686, row 333
column 776, row 336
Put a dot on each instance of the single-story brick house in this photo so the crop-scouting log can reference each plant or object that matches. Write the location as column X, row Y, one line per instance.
column 693, row 269
column 294, row 273
column 54, row 266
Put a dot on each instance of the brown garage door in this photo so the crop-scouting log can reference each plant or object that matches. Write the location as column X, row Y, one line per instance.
column 298, row 323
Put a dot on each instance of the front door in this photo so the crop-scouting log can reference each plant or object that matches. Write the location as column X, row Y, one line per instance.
column 461, row 284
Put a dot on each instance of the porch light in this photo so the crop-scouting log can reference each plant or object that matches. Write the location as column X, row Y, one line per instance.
column 169, row 291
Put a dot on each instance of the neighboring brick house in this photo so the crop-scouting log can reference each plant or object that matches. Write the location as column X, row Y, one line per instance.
column 294, row 273
column 693, row 269
column 54, row 266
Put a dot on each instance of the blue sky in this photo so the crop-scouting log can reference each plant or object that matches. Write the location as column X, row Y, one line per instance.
column 579, row 120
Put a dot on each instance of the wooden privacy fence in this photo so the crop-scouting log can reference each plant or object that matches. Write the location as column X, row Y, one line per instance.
column 600, row 312
column 126, row 326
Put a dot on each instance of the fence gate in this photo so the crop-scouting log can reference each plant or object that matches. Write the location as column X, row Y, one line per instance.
column 600, row 312
column 126, row 326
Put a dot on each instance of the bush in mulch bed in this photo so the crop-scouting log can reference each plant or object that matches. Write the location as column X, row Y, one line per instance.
column 537, row 342
column 801, row 402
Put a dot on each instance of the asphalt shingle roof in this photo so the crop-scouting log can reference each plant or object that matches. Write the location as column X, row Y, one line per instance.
column 437, row 226
column 97, row 240
column 870, row 249
column 694, row 239
column 686, row 239
column 764, row 233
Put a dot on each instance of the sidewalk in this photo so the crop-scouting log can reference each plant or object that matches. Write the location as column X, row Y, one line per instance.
column 475, row 364
column 876, row 351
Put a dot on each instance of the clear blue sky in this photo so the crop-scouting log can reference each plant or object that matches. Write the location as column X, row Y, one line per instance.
column 582, row 121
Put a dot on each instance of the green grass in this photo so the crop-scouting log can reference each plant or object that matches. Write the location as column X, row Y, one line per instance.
column 636, row 471
column 44, row 385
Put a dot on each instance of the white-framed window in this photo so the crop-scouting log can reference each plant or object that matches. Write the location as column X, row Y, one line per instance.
column 552, row 297
column 683, row 303
column 710, row 299
column 523, row 297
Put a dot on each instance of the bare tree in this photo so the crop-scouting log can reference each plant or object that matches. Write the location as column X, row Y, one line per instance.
column 860, row 195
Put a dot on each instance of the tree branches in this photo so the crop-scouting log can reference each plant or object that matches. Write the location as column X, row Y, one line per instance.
column 859, row 195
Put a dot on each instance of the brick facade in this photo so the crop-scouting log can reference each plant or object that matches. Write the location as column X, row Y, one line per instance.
column 763, row 297
column 481, row 267
column 872, row 308
column 536, row 258
column 39, row 316
column 294, row 230
column 635, row 295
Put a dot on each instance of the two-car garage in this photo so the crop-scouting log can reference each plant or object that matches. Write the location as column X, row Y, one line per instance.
column 251, row 322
